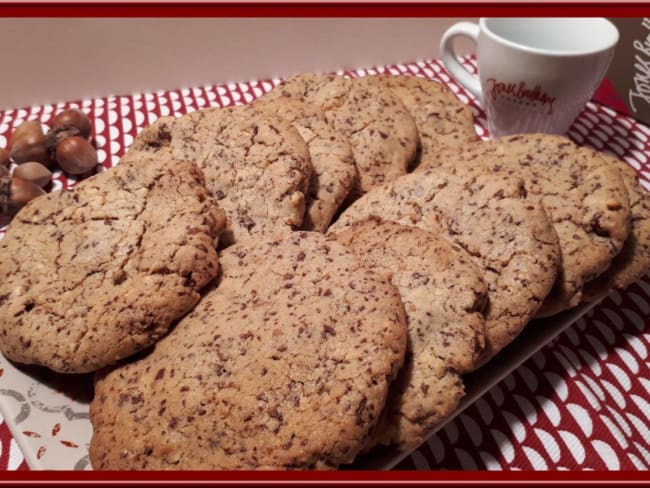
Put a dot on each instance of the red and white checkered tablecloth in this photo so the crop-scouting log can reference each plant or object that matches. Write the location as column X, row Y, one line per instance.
column 582, row 402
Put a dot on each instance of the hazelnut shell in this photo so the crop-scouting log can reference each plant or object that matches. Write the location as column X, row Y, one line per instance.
column 22, row 191
column 31, row 147
column 34, row 172
column 4, row 158
column 72, row 118
column 28, row 128
column 5, row 187
column 76, row 156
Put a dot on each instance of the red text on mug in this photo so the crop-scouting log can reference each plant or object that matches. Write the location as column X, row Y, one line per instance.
column 520, row 91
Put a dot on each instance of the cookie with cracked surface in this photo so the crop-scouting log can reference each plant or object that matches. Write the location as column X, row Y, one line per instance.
column 444, row 297
column 634, row 259
column 585, row 198
column 334, row 170
column 256, row 165
column 285, row 365
column 382, row 133
column 442, row 120
column 507, row 234
column 94, row 274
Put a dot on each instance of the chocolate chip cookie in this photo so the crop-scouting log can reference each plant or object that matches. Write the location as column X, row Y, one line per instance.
column 334, row 170
column 585, row 198
column 285, row 365
column 256, row 165
column 508, row 236
column 382, row 133
column 444, row 297
column 442, row 120
column 94, row 274
column 634, row 259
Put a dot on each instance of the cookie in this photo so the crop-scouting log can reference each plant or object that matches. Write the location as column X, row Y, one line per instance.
column 441, row 119
column 634, row 259
column 444, row 297
column 507, row 234
column 334, row 170
column 256, row 165
column 285, row 365
column 382, row 133
column 585, row 198
column 94, row 274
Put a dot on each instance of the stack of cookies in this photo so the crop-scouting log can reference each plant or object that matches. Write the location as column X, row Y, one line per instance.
column 290, row 283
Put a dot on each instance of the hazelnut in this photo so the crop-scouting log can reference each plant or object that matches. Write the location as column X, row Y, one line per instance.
column 76, row 155
column 20, row 192
column 4, row 159
column 4, row 171
column 34, row 172
column 72, row 118
column 5, row 186
column 29, row 127
column 28, row 143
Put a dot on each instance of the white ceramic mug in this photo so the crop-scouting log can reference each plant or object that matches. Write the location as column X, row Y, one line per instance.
column 534, row 74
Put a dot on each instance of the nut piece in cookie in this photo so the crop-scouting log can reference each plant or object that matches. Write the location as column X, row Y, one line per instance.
column 94, row 274
column 444, row 297
column 285, row 365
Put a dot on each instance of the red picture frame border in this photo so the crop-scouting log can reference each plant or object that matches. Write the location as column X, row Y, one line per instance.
column 311, row 10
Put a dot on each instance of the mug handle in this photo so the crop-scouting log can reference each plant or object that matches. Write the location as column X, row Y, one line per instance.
column 449, row 59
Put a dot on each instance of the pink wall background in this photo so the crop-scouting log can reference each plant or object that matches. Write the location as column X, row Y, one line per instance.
column 52, row 60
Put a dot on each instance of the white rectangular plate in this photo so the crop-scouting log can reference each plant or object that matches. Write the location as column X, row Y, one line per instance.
column 535, row 336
